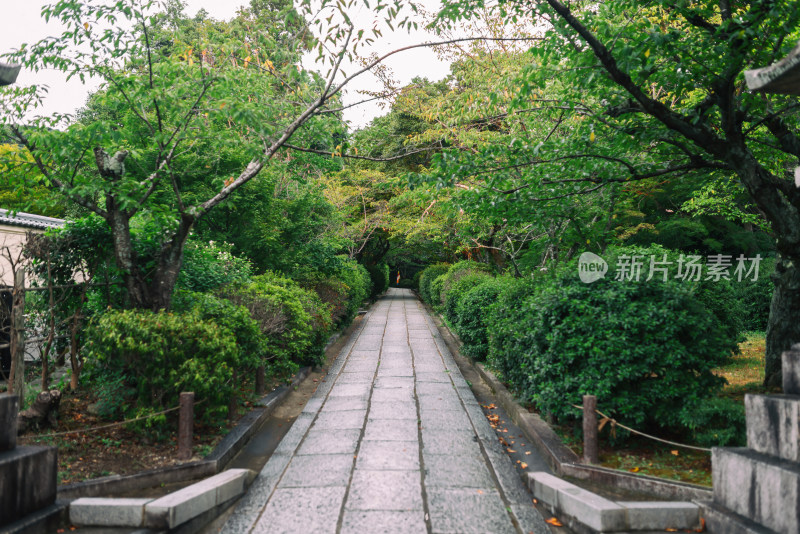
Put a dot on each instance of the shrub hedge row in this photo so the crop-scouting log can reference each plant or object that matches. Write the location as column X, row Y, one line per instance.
column 207, row 338
column 646, row 349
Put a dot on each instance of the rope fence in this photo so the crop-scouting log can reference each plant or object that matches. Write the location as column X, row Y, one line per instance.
column 103, row 427
column 606, row 419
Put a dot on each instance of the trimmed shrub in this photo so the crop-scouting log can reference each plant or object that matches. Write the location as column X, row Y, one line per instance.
column 716, row 422
column 293, row 320
column 426, row 278
column 359, row 288
column 158, row 355
column 344, row 290
column 719, row 297
column 224, row 313
column 207, row 266
column 646, row 350
column 379, row 275
column 456, row 291
column 436, row 290
column 415, row 280
column 406, row 283
column 458, row 271
column 472, row 314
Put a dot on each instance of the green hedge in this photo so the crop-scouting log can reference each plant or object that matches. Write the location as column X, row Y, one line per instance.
column 209, row 265
column 379, row 276
column 234, row 318
column 294, row 320
column 157, row 356
column 456, row 291
column 456, row 272
column 426, row 278
column 722, row 297
column 359, row 288
column 472, row 314
column 646, row 350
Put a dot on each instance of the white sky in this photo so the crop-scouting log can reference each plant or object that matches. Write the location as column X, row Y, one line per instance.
column 21, row 22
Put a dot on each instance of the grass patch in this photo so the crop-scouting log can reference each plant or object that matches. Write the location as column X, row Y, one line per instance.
column 745, row 372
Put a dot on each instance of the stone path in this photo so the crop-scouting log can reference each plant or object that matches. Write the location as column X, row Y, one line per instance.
column 392, row 441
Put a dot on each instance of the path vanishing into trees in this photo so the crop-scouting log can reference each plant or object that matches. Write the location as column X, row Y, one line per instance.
column 392, row 441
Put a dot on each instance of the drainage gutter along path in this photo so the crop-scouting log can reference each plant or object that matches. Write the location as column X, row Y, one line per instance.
column 392, row 441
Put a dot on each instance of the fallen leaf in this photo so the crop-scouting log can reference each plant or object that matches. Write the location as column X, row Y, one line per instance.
column 554, row 521
column 634, row 470
column 527, row 452
column 523, row 465
column 480, row 492
column 535, row 501
column 511, row 450
column 671, row 529
column 702, row 527
column 674, row 453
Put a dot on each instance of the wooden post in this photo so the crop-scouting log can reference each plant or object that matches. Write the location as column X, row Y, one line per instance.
column 260, row 379
column 590, row 444
column 185, row 425
column 17, row 338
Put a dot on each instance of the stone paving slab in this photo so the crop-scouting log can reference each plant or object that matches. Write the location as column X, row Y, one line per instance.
column 467, row 511
column 330, row 441
column 391, row 430
column 344, row 419
column 388, row 455
column 392, row 441
column 315, row 471
column 295, row 510
column 383, row 522
column 385, row 490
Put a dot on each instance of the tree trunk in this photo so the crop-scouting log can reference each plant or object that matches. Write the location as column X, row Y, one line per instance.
column 125, row 256
column 783, row 328
column 16, row 380
column 169, row 266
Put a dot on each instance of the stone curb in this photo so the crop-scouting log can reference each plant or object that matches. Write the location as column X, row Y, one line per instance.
column 580, row 508
column 237, row 438
column 166, row 512
column 562, row 460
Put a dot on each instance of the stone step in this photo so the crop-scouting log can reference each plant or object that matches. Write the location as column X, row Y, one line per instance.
column 760, row 487
column 576, row 504
column 773, row 425
column 27, row 481
column 9, row 407
column 722, row 521
column 166, row 512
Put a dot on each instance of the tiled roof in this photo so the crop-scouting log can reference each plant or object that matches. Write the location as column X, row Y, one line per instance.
column 29, row 220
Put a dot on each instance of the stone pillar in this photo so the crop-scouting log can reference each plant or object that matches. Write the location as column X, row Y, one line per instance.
column 759, row 485
column 27, row 474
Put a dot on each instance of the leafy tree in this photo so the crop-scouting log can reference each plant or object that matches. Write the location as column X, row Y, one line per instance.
column 182, row 101
column 660, row 89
